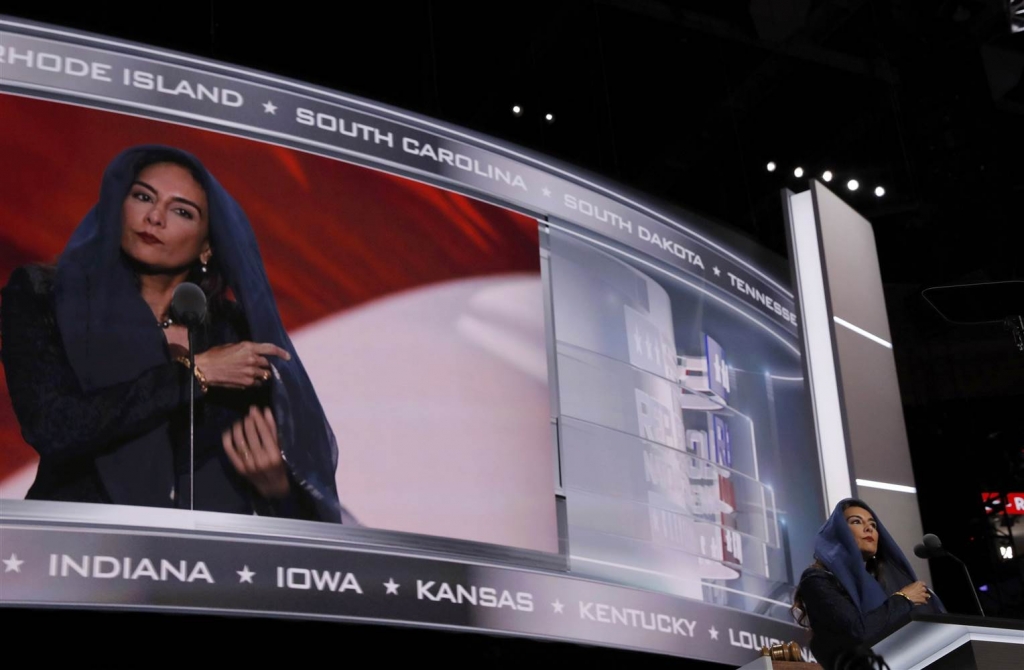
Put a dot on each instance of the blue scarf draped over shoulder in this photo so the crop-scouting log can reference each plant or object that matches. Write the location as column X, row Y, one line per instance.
column 836, row 548
column 111, row 336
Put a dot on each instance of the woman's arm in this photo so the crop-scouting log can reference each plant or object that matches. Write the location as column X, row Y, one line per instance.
column 830, row 610
column 58, row 419
column 251, row 445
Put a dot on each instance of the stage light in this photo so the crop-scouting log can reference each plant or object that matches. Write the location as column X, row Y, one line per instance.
column 853, row 184
column 771, row 166
column 879, row 191
column 550, row 118
column 799, row 172
column 517, row 110
column 826, row 175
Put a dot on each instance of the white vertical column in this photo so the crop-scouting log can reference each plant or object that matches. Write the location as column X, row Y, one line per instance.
column 858, row 410
column 820, row 362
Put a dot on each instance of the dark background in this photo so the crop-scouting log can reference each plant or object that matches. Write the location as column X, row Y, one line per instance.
column 688, row 101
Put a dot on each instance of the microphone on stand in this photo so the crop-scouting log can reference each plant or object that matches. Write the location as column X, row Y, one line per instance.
column 188, row 306
column 931, row 547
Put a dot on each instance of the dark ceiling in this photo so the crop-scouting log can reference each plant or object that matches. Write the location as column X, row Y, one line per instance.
column 688, row 101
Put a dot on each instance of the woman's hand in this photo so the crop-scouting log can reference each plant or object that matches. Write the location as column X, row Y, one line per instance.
column 917, row 593
column 251, row 445
column 238, row 366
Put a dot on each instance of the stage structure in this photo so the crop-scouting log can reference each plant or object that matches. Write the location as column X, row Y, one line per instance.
column 850, row 365
column 559, row 411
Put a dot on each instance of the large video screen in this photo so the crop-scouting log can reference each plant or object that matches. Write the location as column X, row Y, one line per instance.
column 436, row 380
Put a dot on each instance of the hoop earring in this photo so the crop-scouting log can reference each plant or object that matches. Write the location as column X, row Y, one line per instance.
column 204, row 268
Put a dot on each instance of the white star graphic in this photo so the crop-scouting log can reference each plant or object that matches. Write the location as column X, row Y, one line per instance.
column 714, row 633
column 12, row 564
column 392, row 587
column 245, row 575
column 269, row 107
column 717, row 272
column 546, row 191
column 638, row 338
column 559, row 606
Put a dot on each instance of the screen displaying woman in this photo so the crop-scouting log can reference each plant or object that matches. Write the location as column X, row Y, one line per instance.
column 97, row 364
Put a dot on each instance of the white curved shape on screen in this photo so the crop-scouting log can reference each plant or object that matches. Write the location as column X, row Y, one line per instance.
column 439, row 401
column 17, row 484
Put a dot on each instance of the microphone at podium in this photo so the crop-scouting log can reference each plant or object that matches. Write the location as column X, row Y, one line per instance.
column 188, row 304
column 931, row 547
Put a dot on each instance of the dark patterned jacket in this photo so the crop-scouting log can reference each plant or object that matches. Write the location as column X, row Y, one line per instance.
column 70, row 428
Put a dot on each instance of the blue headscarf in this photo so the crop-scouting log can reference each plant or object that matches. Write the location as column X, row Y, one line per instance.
column 836, row 548
column 110, row 336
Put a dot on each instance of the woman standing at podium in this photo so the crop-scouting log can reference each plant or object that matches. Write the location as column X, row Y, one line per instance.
column 860, row 587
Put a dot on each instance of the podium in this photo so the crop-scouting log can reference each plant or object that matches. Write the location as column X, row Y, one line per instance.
column 947, row 642
column 939, row 642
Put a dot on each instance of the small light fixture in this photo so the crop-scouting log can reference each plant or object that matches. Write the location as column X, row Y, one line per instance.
column 826, row 176
column 799, row 172
column 517, row 110
column 853, row 184
column 879, row 191
column 771, row 166
column 549, row 117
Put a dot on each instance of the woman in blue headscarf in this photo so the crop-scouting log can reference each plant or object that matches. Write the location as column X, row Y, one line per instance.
column 97, row 369
column 860, row 587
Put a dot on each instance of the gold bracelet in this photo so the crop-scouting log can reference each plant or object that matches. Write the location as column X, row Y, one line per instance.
column 901, row 593
column 200, row 377
column 203, row 386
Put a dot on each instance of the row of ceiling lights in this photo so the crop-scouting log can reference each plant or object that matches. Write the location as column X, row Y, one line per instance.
column 827, row 176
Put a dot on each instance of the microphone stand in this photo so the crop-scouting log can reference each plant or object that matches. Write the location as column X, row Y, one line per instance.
column 191, row 422
column 189, row 304
column 936, row 550
column 974, row 592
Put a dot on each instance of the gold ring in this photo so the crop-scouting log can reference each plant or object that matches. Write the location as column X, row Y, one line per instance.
column 266, row 375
